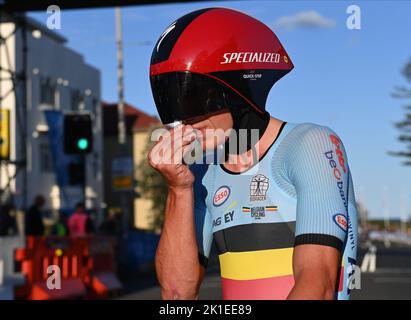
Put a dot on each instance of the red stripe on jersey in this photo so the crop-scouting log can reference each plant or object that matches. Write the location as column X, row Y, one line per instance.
column 275, row 288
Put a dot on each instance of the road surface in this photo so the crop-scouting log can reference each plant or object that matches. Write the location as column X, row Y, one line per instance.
column 390, row 280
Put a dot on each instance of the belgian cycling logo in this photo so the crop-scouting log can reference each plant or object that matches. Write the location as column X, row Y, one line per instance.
column 256, row 212
column 259, row 212
column 341, row 221
column 258, row 187
column 221, row 196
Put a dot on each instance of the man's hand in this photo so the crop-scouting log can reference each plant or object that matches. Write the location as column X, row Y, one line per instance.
column 178, row 269
column 315, row 272
column 167, row 154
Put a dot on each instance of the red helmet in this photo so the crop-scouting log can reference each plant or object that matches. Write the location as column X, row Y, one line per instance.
column 213, row 59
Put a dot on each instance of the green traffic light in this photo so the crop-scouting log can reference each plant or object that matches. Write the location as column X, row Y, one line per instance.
column 82, row 144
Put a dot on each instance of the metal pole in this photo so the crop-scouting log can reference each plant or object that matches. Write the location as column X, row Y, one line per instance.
column 120, row 110
column 24, row 108
column 386, row 209
column 1, row 99
column 120, row 76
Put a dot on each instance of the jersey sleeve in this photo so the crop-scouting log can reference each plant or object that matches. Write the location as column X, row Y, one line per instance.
column 319, row 171
column 202, row 216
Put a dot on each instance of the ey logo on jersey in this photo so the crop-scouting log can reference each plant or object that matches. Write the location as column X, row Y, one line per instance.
column 227, row 216
column 221, row 196
column 258, row 187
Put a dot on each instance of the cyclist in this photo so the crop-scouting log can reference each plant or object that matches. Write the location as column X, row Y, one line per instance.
column 279, row 206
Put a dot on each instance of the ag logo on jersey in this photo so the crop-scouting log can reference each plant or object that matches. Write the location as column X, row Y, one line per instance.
column 341, row 221
column 258, row 187
column 221, row 196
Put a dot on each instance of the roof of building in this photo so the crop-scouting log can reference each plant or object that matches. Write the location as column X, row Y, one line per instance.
column 33, row 24
column 135, row 118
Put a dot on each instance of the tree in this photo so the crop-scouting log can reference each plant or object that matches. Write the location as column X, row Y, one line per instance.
column 152, row 186
column 404, row 126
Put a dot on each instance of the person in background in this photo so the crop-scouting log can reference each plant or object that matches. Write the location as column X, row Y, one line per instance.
column 34, row 218
column 111, row 226
column 80, row 224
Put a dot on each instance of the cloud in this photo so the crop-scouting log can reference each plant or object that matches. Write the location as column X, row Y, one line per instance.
column 134, row 16
column 305, row 19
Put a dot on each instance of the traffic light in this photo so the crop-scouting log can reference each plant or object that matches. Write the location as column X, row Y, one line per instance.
column 78, row 133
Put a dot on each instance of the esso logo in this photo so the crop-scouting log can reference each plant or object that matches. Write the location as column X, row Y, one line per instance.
column 221, row 196
column 335, row 141
column 341, row 221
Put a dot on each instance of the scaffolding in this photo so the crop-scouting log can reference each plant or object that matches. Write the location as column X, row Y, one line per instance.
column 18, row 89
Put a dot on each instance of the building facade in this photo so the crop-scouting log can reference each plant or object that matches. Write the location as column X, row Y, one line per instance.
column 121, row 163
column 143, row 213
column 38, row 73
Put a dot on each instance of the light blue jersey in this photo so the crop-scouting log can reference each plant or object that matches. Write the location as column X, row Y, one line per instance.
column 300, row 192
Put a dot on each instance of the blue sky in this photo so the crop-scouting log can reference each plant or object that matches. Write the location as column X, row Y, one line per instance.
column 342, row 78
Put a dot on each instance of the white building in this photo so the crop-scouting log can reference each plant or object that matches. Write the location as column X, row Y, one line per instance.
column 57, row 78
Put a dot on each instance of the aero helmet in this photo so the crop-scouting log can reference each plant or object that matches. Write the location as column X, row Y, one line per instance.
column 213, row 59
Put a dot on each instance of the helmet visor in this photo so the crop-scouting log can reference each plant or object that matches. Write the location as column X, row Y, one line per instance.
column 181, row 96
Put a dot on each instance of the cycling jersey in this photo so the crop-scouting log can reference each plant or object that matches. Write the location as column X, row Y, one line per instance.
column 300, row 192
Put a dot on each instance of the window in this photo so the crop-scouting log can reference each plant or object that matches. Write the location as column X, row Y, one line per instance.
column 45, row 160
column 94, row 104
column 77, row 100
column 48, row 92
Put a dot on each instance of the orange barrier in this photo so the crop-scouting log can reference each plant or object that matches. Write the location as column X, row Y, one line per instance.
column 85, row 265
column 101, row 270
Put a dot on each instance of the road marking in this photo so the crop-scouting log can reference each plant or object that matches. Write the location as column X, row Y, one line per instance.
column 369, row 262
column 1, row 272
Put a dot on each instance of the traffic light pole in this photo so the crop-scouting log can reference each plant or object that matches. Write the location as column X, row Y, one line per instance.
column 23, row 76
column 84, row 181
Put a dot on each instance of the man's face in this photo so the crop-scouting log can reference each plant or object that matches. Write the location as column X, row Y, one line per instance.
column 213, row 130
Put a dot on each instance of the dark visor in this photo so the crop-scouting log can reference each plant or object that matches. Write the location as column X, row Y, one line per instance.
column 181, row 96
